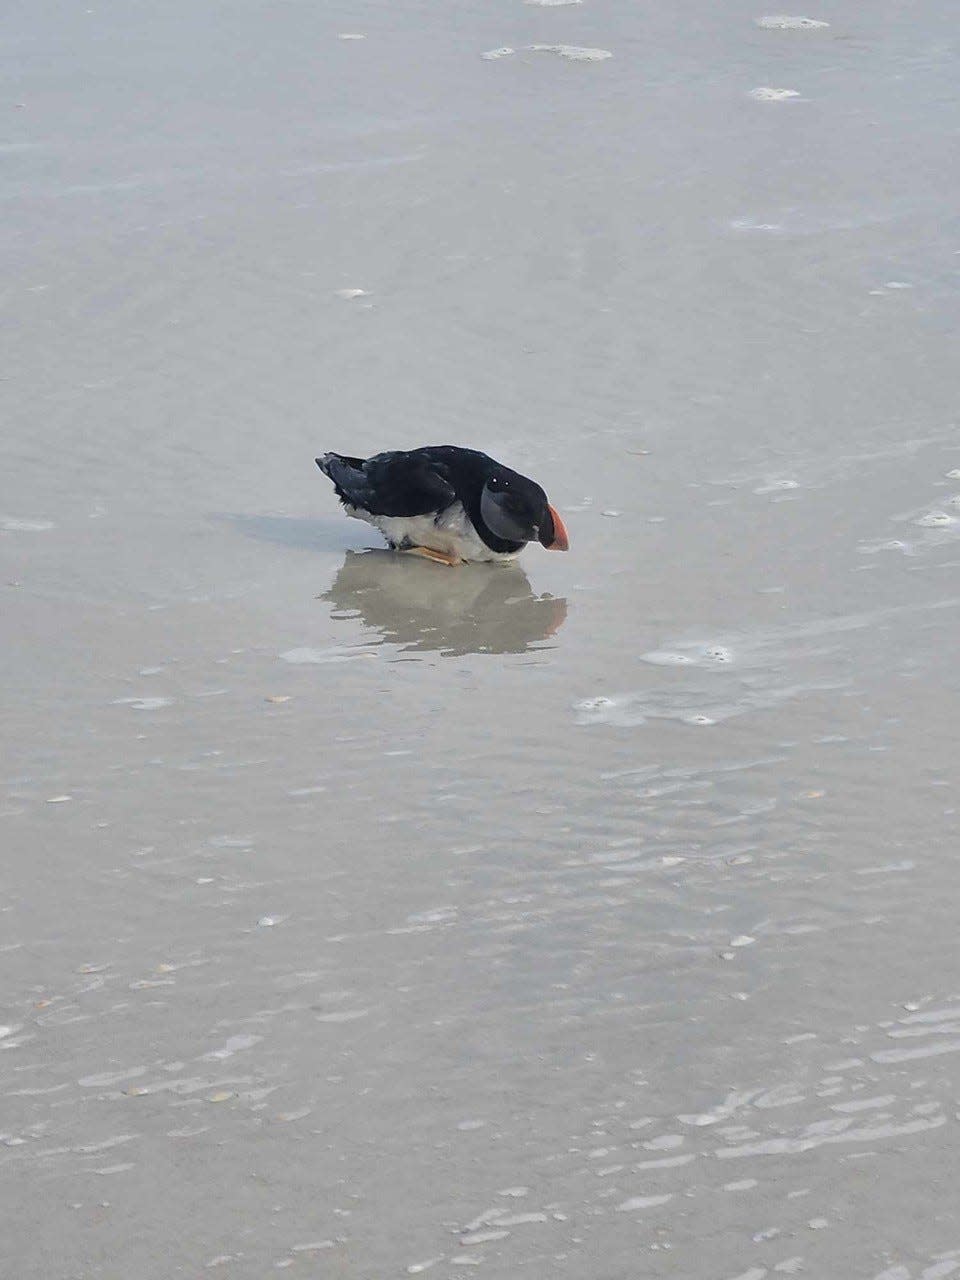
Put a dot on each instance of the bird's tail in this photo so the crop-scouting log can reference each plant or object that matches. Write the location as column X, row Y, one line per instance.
column 327, row 461
column 347, row 475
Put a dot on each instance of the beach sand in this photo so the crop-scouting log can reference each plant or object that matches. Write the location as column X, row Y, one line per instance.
column 592, row 917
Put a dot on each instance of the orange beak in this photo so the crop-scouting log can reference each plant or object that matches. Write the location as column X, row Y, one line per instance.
column 561, row 539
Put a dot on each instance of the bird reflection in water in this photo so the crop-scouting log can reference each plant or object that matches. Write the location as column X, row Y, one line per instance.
column 422, row 608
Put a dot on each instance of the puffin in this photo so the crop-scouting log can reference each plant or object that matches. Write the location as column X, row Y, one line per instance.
column 446, row 503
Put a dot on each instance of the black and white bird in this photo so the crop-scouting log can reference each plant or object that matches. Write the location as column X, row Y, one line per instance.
column 446, row 503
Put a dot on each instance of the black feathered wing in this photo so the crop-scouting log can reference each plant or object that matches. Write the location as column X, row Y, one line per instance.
column 391, row 484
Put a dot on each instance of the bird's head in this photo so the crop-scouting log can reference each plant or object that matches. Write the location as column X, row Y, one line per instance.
column 516, row 509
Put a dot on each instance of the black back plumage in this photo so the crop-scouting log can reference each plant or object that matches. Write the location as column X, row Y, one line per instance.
column 399, row 483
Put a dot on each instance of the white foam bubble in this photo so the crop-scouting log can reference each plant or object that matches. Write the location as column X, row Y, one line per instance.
column 931, row 1015
column 574, row 53
column 600, row 703
column 745, row 224
column 488, row 1215
column 302, row 657
column 666, row 1142
column 492, row 55
column 717, row 653
column 347, row 294
column 936, row 520
column 940, row 1269
column 784, row 22
column 933, row 1029
column 104, row 1078
column 642, row 1202
column 766, row 94
column 235, row 1044
column 143, row 704
column 795, row 1146
column 13, row 524
column 925, row 1051
column 483, row 1237
column 887, row 544
column 666, row 1162
column 695, row 656
column 663, row 658
column 865, row 1104
column 691, row 704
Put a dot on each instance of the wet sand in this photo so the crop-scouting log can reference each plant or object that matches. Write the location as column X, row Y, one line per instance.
column 592, row 917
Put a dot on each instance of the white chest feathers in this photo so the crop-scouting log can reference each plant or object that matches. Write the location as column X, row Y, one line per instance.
column 451, row 531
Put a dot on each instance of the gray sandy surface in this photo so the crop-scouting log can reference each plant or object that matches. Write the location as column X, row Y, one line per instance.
column 591, row 918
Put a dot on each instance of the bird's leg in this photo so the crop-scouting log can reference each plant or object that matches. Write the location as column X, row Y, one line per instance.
column 428, row 553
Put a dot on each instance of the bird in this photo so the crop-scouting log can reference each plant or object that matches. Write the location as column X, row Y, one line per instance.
column 446, row 503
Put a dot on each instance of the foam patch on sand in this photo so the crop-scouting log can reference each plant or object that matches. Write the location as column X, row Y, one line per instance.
column 14, row 524
column 573, row 52
column 783, row 22
column 766, row 94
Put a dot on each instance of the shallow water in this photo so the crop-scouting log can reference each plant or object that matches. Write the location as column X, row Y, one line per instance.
column 592, row 916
